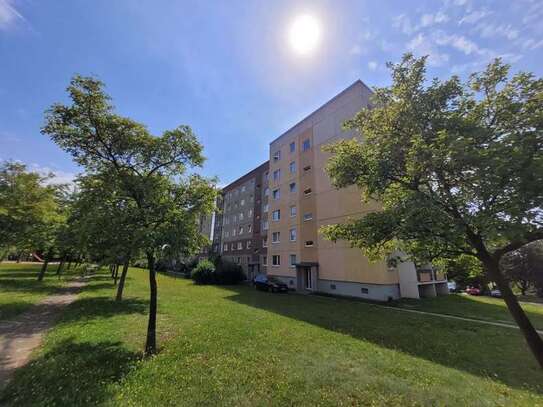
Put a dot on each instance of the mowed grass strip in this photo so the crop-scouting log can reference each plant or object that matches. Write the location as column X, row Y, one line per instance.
column 236, row 346
column 478, row 307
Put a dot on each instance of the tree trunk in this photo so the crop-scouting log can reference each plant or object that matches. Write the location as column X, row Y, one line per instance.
column 120, row 288
column 530, row 334
column 150, row 345
column 43, row 268
column 59, row 268
column 115, row 274
column 19, row 256
column 3, row 255
column 69, row 265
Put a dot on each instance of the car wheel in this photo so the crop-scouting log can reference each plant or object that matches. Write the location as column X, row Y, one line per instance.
column 270, row 289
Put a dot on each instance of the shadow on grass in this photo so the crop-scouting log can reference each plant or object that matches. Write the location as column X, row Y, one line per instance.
column 11, row 309
column 491, row 352
column 70, row 374
column 101, row 307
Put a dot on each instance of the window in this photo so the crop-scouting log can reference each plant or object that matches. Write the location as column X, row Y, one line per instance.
column 235, row 219
column 307, row 191
column 277, row 155
column 266, row 191
column 250, row 212
column 265, row 241
column 243, row 188
column 242, row 202
column 238, row 260
column 276, row 260
column 225, row 247
column 307, row 168
column 233, row 232
column 309, row 243
column 248, row 244
column 241, row 216
column 276, row 236
column 249, row 228
column 240, row 231
column 248, row 259
column 266, row 175
column 292, row 260
column 226, row 234
column 232, row 246
column 306, row 145
column 292, row 235
column 292, row 211
column 265, row 225
column 266, row 208
column 364, row 290
column 292, row 167
column 292, row 187
column 276, row 193
column 276, row 215
column 264, row 260
column 333, row 286
column 226, row 220
column 240, row 245
column 277, row 175
column 292, row 147
column 308, row 216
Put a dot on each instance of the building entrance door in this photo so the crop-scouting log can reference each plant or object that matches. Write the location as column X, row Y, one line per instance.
column 308, row 279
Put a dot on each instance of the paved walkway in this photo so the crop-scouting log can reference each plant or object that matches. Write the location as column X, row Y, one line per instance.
column 20, row 336
column 479, row 321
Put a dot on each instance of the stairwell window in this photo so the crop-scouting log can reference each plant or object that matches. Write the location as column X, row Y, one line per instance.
column 240, row 246
column 277, row 175
column 276, row 236
column 266, row 207
column 276, row 194
column 265, row 225
column 276, row 260
column 248, row 244
column 225, row 247
column 292, row 147
column 307, row 191
column 292, row 211
column 292, row 167
column 292, row 235
column 265, row 241
column 249, row 228
column 277, row 155
column 309, row 243
column 308, row 216
column 292, row 187
column 306, row 144
column 292, row 260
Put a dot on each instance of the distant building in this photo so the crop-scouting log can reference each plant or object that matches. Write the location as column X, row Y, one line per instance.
column 244, row 223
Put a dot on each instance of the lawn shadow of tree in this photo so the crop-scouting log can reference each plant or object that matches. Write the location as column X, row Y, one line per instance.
column 13, row 309
column 487, row 351
column 70, row 374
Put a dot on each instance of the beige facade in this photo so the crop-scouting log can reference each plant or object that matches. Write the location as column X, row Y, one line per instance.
column 302, row 200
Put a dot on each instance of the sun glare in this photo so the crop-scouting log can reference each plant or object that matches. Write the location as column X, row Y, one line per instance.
column 304, row 34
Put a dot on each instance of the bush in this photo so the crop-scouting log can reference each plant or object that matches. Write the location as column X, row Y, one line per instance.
column 228, row 273
column 204, row 273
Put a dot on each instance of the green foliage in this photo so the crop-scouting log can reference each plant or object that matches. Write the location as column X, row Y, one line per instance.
column 524, row 267
column 228, row 273
column 458, row 167
column 32, row 213
column 464, row 270
column 204, row 272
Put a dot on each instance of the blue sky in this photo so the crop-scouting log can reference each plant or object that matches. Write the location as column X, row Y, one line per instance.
column 226, row 69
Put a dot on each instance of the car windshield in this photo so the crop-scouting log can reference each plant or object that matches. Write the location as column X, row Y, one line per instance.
column 275, row 280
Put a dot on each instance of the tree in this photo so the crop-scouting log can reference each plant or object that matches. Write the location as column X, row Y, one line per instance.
column 31, row 211
column 457, row 166
column 524, row 267
column 147, row 172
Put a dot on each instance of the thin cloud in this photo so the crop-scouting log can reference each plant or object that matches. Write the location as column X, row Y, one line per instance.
column 423, row 45
column 372, row 65
column 9, row 16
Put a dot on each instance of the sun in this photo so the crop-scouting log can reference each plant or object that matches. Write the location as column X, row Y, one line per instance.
column 304, row 34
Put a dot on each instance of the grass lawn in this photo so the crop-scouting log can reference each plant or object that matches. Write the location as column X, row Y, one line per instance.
column 478, row 307
column 236, row 346
column 19, row 288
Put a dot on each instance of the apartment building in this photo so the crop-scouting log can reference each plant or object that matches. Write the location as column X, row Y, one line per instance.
column 302, row 200
column 243, row 221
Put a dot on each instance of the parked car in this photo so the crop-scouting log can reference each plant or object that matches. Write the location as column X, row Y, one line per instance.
column 451, row 285
column 473, row 291
column 495, row 293
column 271, row 284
